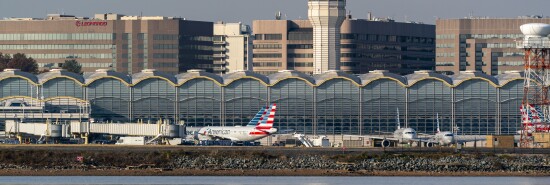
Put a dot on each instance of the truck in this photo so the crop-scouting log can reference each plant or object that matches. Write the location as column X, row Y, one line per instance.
column 131, row 141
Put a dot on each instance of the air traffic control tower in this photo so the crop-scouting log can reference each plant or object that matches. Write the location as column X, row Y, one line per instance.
column 326, row 16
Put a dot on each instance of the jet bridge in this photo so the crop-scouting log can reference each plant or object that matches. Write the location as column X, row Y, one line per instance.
column 160, row 130
column 130, row 129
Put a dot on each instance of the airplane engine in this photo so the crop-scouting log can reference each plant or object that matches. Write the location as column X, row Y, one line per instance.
column 430, row 144
column 385, row 143
column 195, row 135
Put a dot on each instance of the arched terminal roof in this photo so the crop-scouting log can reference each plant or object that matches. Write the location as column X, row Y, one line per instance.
column 381, row 74
column 427, row 74
column 60, row 73
column 152, row 73
column 286, row 74
column 332, row 74
column 469, row 75
column 106, row 73
column 361, row 80
column 192, row 74
column 230, row 77
column 9, row 73
column 509, row 76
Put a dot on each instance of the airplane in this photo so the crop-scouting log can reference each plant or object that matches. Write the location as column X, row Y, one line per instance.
column 400, row 135
column 447, row 138
column 441, row 138
column 259, row 127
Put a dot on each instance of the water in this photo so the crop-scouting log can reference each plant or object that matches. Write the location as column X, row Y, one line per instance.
column 99, row 180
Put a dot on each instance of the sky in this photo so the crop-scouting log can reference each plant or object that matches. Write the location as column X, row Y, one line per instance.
column 245, row 11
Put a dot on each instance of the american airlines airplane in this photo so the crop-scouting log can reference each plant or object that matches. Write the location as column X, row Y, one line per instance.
column 259, row 127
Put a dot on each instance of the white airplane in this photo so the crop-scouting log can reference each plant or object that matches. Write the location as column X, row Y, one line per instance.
column 400, row 135
column 447, row 138
column 441, row 138
column 259, row 127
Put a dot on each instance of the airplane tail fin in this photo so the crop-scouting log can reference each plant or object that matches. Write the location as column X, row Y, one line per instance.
column 398, row 120
column 257, row 118
column 266, row 122
column 437, row 116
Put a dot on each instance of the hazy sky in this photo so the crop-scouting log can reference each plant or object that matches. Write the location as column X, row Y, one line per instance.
column 247, row 10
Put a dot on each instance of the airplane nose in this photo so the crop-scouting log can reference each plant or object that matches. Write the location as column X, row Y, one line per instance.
column 450, row 140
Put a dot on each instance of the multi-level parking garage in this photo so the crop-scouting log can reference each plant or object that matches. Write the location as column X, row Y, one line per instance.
column 332, row 103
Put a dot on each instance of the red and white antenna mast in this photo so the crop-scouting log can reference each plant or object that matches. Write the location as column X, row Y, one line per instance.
column 535, row 107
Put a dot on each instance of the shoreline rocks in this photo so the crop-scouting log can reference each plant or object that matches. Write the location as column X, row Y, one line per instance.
column 256, row 162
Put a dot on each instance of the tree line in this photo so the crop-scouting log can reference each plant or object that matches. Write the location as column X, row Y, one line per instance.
column 28, row 64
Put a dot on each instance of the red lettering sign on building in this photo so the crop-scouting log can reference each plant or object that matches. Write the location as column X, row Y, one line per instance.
column 90, row 23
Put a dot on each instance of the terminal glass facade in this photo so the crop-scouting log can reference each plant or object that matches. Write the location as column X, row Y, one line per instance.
column 199, row 102
column 295, row 105
column 381, row 100
column 333, row 103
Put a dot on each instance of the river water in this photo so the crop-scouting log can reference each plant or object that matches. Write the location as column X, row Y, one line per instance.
column 248, row 180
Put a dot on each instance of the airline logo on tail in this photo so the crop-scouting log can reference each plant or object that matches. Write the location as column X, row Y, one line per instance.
column 254, row 122
column 267, row 123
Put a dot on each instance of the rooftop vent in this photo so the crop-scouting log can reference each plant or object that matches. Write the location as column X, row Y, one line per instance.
column 379, row 71
column 103, row 70
column 286, row 71
column 468, row 72
column 57, row 70
column 512, row 72
column 148, row 70
column 423, row 71
column 195, row 70
column 11, row 70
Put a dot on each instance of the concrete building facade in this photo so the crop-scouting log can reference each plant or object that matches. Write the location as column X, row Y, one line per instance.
column 232, row 47
column 126, row 44
column 366, row 45
column 487, row 45
column 326, row 17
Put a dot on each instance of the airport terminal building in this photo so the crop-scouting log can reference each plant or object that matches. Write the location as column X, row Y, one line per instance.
column 332, row 103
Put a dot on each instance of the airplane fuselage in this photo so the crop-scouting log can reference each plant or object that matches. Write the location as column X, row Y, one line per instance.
column 405, row 135
column 234, row 133
column 444, row 138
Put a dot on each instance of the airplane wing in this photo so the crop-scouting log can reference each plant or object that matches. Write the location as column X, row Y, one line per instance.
column 424, row 134
column 382, row 138
column 420, row 139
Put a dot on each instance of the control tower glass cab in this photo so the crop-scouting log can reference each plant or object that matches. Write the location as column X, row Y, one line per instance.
column 326, row 16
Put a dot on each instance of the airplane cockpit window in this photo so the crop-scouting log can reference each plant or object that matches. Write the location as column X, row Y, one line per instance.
column 449, row 135
column 409, row 132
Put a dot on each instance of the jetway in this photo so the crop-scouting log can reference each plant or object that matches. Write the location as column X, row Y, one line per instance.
column 130, row 129
column 48, row 129
column 160, row 130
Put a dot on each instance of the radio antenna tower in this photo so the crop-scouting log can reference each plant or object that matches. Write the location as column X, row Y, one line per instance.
column 535, row 107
